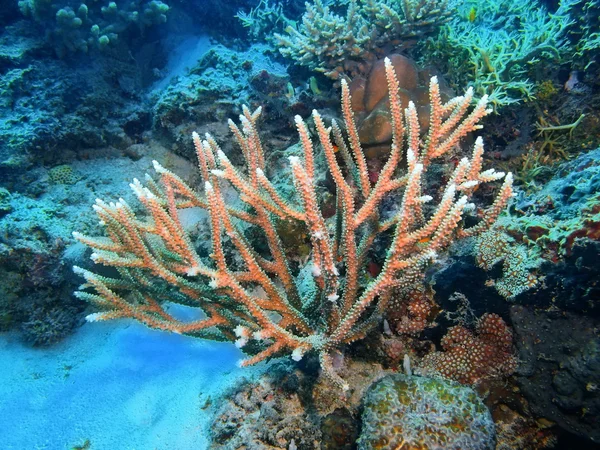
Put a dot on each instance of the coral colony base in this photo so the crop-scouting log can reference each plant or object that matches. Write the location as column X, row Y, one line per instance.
column 250, row 294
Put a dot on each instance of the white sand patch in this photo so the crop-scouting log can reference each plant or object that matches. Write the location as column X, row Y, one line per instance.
column 120, row 385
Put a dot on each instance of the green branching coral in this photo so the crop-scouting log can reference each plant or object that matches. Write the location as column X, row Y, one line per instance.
column 495, row 45
column 334, row 44
column 76, row 26
column 587, row 28
column 264, row 19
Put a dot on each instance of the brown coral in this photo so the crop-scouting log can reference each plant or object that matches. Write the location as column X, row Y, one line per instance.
column 471, row 357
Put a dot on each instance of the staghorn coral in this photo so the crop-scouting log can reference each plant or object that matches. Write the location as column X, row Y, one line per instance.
column 263, row 19
column 336, row 45
column 494, row 45
column 253, row 297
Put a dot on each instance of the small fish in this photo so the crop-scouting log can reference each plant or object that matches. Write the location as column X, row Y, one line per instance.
column 314, row 87
column 472, row 14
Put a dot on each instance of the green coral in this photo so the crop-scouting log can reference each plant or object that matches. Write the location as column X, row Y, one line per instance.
column 5, row 205
column 495, row 45
column 264, row 19
column 586, row 34
column 409, row 412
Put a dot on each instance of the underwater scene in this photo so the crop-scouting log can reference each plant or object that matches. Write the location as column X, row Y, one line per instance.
column 299, row 225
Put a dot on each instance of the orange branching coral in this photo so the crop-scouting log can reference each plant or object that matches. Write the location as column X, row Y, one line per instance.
column 255, row 298
column 471, row 357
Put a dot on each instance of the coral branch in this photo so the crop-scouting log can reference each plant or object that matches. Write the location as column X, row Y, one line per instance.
column 252, row 292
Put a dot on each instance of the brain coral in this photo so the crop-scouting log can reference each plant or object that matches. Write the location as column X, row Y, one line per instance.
column 408, row 412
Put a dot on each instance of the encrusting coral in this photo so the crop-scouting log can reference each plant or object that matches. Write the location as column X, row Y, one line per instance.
column 410, row 413
column 254, row 297
column 472, row 357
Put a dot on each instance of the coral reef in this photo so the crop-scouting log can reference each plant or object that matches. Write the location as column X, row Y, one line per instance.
column 159, row 253
column 53, row 112
column 76, row 26
column 493, row 45
column 336, row 45
column 402, row 411
column 37, row 249
column 285, row 403
column 270, row 413
column 216, row 85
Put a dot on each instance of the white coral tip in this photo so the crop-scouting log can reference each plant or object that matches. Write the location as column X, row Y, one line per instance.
column 158, row 167
column 94, row 317
column 239, row 343
column 241, row 331
column 147, row 193
column 316, row 271
column 259, row 335
column 222, row 156
column 297, row 354
column 468, row 184
column 192, row 271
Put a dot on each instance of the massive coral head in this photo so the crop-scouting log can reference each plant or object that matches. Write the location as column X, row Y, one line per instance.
column 250, row 293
